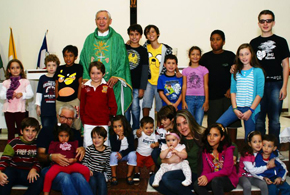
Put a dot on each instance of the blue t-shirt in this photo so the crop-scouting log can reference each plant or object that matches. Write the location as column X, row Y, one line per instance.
column 46, row 86
column 171, row 87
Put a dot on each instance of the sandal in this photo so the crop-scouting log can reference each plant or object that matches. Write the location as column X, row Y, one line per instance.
column 114, row 181
column 129, row 182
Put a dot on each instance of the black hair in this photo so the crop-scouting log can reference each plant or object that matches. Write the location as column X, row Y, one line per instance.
column 148, row 28
column 126, row 126
column 220, row 33
column 270, row 138
column 72, row 49
column 145, row 120
column 135, row 27
column 63, row 128
column 101, row 131
column 226, row 142
column 266, row 12
column 247, row 150
column 167, row 111
column 171, row 57
column 30, row 122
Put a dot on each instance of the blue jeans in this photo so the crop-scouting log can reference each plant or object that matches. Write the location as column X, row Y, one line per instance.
column 149, row 94
column 131, row 159
column 19, row 177
column 284, row 189
column 194, row 106
column 48, row 122
column 135, row 110
column 155, row 154
column 272, row 106
column 171, row 183
column 70, row 184
column 229, row 116
column 98, row 184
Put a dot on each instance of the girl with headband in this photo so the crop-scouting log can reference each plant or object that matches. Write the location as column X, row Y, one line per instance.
column 172, row 147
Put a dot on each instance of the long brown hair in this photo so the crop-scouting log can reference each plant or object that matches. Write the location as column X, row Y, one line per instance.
column 195, row 129
column 8, row 74
column 254, row 61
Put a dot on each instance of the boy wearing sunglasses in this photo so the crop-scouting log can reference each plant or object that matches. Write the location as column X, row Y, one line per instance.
column 273, row 54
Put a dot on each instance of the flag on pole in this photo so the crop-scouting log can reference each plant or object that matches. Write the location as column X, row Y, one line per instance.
column 43, row 52
column 12, row 50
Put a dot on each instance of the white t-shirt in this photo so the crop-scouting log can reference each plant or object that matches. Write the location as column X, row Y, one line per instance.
column 144, row 143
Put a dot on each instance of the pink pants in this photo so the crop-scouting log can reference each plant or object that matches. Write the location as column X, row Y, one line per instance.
column 56, row 169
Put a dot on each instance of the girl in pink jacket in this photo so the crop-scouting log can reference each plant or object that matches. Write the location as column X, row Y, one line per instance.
column 219, row 173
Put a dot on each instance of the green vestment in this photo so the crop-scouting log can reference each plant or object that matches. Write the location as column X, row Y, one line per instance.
column 111, row 51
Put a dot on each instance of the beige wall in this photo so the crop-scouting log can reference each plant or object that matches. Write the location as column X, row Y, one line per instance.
column 182, row 23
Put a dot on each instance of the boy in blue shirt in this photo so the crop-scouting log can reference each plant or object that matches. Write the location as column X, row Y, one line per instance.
column 274, row 177
column 139, row 66
column 169, row 86
column 68, row 82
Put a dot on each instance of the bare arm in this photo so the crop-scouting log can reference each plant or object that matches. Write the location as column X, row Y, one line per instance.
column 205, row 80
column 283, row 91
column 80, row 87
column 182, row 154
column 184, row 87
column 164, row 153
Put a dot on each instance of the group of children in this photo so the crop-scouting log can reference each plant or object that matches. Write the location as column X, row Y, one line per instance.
column 109, row 138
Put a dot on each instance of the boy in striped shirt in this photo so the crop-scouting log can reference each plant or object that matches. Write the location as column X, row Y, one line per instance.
column 97, row 159
column 19, row 164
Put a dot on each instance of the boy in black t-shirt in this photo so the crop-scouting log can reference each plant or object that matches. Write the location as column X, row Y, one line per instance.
column 139, row 66
column 219, row 62
column 68, row 82
column 271, row 51
column 45, row 96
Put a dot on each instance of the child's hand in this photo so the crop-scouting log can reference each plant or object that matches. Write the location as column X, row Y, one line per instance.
column 268, row 181
column 271, row 164
column 140, row 93
column 178, row 75
column 238, row 113
column 202, row 180
column 175, row 106
column 38, row 110
column 32, row 175
column 3, row 179
column 228, row 94
column 173, row 151
column 278, row 181
column 119, row 156
column 205, row 106
column 91, row 173
column 139, row 133
column 184, row 105
column 153, row 145
column 235, row 160
column 247, row 115
column 18, row 95
column 72, row 160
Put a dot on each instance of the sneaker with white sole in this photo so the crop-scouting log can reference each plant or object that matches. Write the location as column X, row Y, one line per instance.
column 136, row 177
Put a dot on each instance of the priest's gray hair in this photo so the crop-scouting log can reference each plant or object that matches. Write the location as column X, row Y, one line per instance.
column 68, row 107
column 104, row 11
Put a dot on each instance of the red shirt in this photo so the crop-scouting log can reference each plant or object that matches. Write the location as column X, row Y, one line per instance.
column 97, row 104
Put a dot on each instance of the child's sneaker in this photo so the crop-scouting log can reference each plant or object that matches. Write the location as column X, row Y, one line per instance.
column 136, row 177
column 186, row 182
column 150, row 174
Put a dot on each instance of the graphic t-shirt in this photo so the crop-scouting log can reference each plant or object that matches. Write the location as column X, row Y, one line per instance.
column 171, row 87
column 138, row 61
column 219, row 78
column 155, row 56
column 270, row 52
column 195, row 80
column 46, row 86
column 144, row 143
column 68, row 81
